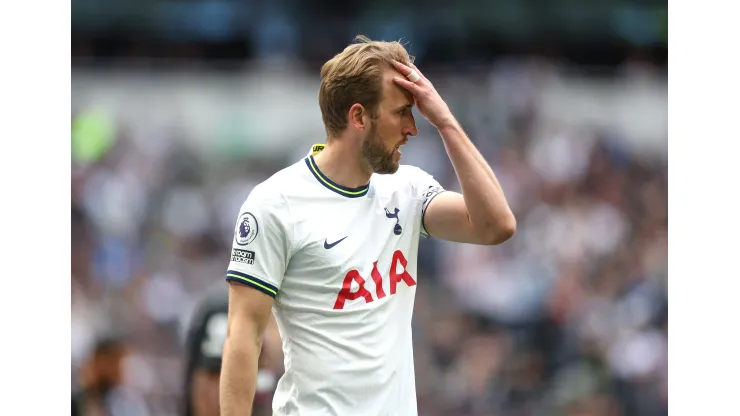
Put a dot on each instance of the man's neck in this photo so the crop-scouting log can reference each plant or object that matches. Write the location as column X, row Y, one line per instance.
column 341, row 162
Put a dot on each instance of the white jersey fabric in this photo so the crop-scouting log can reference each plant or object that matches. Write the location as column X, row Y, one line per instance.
column 341, row 264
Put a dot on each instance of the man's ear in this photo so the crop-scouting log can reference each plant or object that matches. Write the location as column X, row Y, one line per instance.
column 358, row 117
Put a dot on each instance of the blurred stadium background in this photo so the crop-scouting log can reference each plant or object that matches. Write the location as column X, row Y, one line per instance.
column 179, row 107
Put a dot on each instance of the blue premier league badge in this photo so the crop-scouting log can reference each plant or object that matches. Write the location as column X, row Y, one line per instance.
column 246, row 229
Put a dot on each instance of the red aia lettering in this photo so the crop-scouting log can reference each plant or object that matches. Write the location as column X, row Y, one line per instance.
column 346, row 294
column 395, row 277
column 378, row 279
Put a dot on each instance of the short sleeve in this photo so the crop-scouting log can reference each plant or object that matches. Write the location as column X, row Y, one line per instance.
column 427, row 188
column 261, row 245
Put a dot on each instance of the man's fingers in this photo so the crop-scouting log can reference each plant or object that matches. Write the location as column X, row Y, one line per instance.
column 402, row 68
column 408, row 85
column 408, row 69
column 412, row 66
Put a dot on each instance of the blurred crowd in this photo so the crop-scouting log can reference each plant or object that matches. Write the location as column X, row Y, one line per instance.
column 568, row 318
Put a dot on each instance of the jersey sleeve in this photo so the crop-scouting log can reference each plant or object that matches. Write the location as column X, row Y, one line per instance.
column 427, row 188
column 261, row 245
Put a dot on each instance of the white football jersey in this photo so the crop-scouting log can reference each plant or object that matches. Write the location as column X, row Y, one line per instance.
column 341, row 264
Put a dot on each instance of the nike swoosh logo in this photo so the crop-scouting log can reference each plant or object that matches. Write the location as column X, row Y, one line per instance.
column 328, row 246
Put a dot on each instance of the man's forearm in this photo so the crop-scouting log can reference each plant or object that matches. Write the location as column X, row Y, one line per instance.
column 484, row 198
column 238, row 377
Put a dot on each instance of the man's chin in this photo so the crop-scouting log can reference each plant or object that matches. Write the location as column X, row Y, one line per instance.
column 388, row 168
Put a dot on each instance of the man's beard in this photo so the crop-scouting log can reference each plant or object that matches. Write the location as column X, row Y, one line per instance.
column 379, row 159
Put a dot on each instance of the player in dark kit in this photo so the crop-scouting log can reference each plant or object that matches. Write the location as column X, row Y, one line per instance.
column 203, row 353
column 203, row 346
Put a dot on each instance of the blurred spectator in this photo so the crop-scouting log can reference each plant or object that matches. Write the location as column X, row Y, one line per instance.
column 101, row 390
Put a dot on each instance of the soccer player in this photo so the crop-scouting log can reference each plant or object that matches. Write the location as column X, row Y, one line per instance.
column 330, row 244
column 203, row 355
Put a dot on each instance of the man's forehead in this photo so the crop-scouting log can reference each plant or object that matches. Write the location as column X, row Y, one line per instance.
column 394, row 91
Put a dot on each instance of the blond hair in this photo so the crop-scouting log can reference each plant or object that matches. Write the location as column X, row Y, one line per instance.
column 354, row 76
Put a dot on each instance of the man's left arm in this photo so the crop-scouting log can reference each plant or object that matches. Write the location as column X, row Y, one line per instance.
column 480, row 215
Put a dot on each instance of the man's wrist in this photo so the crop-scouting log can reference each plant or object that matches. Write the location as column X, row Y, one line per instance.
column 448, row 124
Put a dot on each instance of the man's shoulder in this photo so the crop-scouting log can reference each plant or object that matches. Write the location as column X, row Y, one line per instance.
column 406, row 175
column 410, row 171
column 281, row 184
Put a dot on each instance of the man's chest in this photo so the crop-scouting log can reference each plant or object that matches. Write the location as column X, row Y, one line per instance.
column 361, row 250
